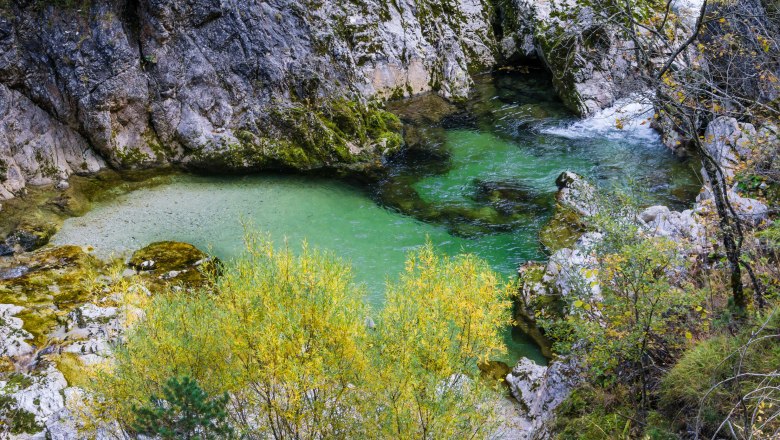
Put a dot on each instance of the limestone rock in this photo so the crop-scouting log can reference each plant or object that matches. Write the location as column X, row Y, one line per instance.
column 575, row 268
column 38, row 393
column 575, row 193
column 683, row 227
column 213, row 85
column 90, row 330
column 731, row 143
column 541, row 389
column 13, row 338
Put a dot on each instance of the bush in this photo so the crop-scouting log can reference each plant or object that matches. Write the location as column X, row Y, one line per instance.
column 729, row 379
column 287, row 337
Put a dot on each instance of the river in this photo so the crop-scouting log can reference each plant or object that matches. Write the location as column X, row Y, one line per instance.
column 512, row 137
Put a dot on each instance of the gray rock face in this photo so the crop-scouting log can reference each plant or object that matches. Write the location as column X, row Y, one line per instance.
column 575, row 193
column 36, row 148
column 142, row 83
column 731, row 143
column 586, row 59
column 540, row 390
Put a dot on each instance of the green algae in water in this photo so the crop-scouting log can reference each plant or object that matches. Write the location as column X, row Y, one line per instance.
column 210, row 212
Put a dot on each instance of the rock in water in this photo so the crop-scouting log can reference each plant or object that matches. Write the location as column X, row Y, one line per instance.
column 174, row 261
column 165, row 256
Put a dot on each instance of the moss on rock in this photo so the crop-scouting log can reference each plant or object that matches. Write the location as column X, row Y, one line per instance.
column 167, row 256
column 337, row 134
column 174, row 262
column 562, row 230
column 55, row 281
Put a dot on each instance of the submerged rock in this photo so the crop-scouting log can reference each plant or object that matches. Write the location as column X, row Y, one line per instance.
column 171, row 260
column 28, row 236
column 509, row 196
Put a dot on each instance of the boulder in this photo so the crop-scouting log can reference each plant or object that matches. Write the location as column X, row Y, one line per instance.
column 683, row 227
column 540, row 389
column 575, row 269
column 575, row 193
column 174, row 262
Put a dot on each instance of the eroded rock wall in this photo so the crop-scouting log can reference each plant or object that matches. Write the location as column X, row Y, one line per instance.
column 227, row 83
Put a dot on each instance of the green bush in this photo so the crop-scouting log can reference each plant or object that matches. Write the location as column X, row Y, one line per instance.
column 184, row 411
column 721, row 376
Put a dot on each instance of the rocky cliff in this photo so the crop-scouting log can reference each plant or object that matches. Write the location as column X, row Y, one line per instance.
column 220, row 83
column 284, row 84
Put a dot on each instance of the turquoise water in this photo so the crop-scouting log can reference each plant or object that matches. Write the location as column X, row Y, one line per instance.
column 484, row 185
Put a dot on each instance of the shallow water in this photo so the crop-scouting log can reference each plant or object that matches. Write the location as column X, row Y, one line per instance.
column 514, row 138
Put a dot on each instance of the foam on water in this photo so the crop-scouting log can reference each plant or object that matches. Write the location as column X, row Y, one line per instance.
column 628, row 119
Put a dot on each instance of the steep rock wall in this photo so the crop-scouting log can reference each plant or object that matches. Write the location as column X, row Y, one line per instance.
column 221, row 83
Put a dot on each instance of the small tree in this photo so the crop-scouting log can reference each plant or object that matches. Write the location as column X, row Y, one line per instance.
column 634, row 325
column 184, row 411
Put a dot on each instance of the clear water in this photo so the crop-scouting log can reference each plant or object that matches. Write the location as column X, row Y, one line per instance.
column 513, row 132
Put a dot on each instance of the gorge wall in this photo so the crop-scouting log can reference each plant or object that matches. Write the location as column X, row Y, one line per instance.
column 228, row 85
column 280, row 83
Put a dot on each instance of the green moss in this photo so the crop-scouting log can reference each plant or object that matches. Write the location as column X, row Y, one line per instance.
column 72, row 368
column 132, row 157
column 559, row 51
column 306, row 137
column 153, row 143
column 19, row 420
column 16, row 382
column 562, row 231
column 167, row 256
column 58, row 280
column 46, row 166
